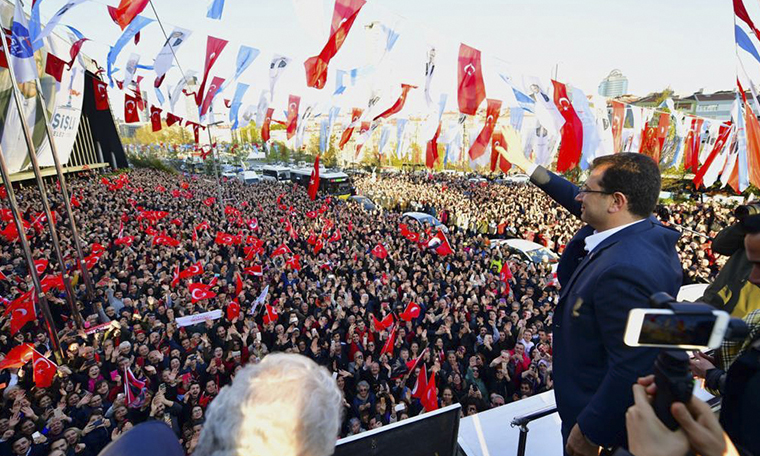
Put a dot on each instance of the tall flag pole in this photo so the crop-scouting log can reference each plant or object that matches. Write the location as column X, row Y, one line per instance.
column 31, row 151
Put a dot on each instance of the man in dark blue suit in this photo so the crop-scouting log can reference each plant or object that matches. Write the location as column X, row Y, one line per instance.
column 620, row 257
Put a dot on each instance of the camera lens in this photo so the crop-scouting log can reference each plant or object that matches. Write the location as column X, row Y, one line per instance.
column 747, row 209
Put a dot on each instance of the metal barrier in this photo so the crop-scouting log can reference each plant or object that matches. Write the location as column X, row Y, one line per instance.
column 522, row 423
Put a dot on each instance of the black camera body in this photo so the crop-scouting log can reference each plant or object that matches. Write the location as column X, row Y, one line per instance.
column 672, row 373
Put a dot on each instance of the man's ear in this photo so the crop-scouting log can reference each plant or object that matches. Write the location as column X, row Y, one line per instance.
column 619, row 202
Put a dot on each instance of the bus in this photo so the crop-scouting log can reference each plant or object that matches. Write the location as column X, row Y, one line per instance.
column 275, row 173
column 331, row 182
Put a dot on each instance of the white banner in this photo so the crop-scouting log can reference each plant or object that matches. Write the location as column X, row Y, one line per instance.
column 199, row 318
column 64, row 104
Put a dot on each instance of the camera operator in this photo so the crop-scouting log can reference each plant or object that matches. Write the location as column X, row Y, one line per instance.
column 731, row 291
column 700, row 431
column 741, row 276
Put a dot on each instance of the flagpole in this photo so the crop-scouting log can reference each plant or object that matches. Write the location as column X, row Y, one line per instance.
column 40, row 185
column 69, row 212
column 47, row 316
column 216, row 166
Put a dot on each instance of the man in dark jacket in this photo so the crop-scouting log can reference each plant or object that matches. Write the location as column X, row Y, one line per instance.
column 620, row 257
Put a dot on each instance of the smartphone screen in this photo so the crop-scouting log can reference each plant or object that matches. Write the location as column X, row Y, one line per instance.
column 676, row 329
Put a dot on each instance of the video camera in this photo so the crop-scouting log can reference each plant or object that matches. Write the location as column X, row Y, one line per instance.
column 677, row 327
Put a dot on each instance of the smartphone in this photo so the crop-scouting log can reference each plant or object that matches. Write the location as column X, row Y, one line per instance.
column 97, row 423
column 258, row 336
column 686, row 331
column 400, row 407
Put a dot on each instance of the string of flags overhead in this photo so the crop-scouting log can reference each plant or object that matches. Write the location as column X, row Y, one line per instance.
column 566, row 129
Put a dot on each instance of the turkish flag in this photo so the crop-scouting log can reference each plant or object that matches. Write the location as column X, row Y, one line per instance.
column 100, row 90
column 379, row 251
column 18, row 356
column 155, row 118
column 398, row 105
column 171, row 119
column 411, row 312
column 126, row 240
column 196, row 129
column 318, row 246
column 224, row 238
column 484, row 137
column 74, row 51
column 335, row 236
column 364, row 133
column 384, row 323
column 165, row 240
column 265, row 127
column 314, row 181
column 497, row 140
column 292, row 121
column 194, row 270
column 22, row 311
column 294, row 262
column 233, row 310
column 44, row 370
column 40, row 266
column 127, row 11
column 663, row 127
column 618, row 119
column 214, row 47
column 390, row 343
column 130, row 109
column 216, row 83
column 440, row 243
column 506, row 273
column 281, row 250
column 691, row 146
column 431, row 152
column 648, row 140
column 270, row 315
column 471, row 88
column 356, row 114
column 420, row 387
column 571, row 144
column 253, row 270
column 238, row 284
column 344, row 16
column 54, row 66
column 430, row 401
column 200, row 291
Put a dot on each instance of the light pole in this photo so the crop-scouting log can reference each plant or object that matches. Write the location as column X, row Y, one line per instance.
column 216, row 165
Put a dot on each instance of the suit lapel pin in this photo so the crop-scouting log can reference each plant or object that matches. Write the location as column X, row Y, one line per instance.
column 577, row 307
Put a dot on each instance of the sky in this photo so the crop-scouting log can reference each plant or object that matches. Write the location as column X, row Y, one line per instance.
column 655, row 43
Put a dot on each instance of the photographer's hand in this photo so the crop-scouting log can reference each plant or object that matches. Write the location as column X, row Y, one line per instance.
column 706, row 436
column 647, row 435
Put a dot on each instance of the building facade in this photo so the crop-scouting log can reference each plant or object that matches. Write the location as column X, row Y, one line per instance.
column 614, row 85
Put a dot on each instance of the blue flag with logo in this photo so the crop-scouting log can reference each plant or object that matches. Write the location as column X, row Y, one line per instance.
column 22, row 54
column 135, row 26
column 246, row 56
column 215, row 9
column 237, row 102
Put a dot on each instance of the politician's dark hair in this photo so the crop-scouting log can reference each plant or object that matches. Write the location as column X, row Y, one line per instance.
column 636, row 176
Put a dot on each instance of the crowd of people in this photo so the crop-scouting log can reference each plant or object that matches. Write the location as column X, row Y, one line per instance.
column 289, row 275
column 524, row 211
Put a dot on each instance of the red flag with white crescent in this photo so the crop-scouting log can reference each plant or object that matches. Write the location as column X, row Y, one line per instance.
column 497, row 140
column 314, row 181
column 265, row 126
column 44, row 370
column 155, row 118
column 200, row 291
column 471, row 88
column 101, row 94
column 431, row 151
column 571, row 144
column 130, row 109
column 292, row 121
column 214, row 47
column 356, row 115
column 618, row 117
column 484, row 137
column 216, row 83
column 344, row 16
column 398, row 105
